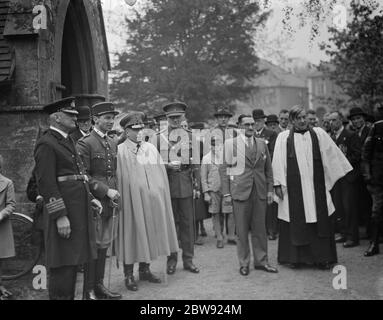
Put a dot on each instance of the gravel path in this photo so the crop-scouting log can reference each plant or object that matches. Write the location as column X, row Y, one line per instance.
column 219, row 278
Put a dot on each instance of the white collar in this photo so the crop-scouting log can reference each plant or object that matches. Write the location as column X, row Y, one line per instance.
column 83, row 133
column 101, row 134
column 260, row 131
column 64, row 134
column 338, row 133
column 246, row 139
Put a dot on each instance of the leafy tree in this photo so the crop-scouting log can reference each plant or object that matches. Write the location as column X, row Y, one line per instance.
column 197, row 51
column 357, row 55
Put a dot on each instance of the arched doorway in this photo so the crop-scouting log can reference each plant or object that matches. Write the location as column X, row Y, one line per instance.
column 78, row 72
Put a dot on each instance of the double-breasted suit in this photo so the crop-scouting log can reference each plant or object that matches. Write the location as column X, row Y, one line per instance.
column 248, row 180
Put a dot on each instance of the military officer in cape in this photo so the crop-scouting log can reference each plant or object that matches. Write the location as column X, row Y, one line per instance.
column 98, row 152
column 175, row 147
column 69, row 207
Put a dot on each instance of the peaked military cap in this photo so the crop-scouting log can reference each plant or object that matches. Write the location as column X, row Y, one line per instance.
column 272, row 118
column 66, row 105
column 175, row 109
column 223, row 111
column 134, row 120
column 103, row 108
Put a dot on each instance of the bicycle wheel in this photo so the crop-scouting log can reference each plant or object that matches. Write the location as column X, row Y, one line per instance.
column 27, row 249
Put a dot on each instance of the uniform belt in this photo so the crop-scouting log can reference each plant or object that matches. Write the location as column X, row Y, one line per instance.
column 73, row 178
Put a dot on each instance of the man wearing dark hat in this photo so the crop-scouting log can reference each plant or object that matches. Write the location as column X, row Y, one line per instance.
column 222, row 116
column 68, row 215
column 345, row 191
column 174, row 145
column 358, row 119
column 84, row 121
column 372, row 168
column 272, row 123
column 98, row 152
column 262, row 132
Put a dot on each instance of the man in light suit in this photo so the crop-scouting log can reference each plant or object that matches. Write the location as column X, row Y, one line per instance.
column 248, row 181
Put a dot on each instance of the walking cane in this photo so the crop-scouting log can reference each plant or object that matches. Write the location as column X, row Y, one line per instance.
column 111, row 246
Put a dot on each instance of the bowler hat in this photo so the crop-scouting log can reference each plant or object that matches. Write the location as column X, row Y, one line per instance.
column 258, row 114
column 175, row 109
column 83, row 113
column 272, row 118
column 66, row 105
column 88, row 100
column 223, row 111
column 356, row 111
column 103, row 108
column 134, row 120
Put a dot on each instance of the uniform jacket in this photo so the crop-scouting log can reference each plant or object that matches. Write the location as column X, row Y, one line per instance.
column 184, row 181
column 372, row 155
column 270, row 137
column 55, row 157
column 351, row 145
column 76, row 135
column 7, row 207
column 257, row 169
column 364, row 134
column 100, row 159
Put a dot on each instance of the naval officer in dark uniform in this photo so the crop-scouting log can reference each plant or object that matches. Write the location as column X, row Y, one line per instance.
column 98, row 152
column 69, row 207
column 175, row 143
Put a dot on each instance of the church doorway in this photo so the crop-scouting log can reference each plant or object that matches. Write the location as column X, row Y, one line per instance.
column 78, row 72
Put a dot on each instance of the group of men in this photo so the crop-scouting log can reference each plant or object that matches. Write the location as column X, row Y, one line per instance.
column 135, row 196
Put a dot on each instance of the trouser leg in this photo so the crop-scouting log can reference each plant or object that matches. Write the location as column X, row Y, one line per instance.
column 230, row 226
column 100, row 266
column 350, row 205
column 242, row 225
column 377, row 212
column 62, row 283
column 217, row 226
column 186, row 227
column 258, row 231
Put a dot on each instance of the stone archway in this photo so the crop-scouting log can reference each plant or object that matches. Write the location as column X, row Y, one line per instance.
column 74, row 55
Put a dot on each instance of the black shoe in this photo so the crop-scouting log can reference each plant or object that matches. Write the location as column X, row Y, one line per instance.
column 372, row 250
column 323, row 265
column 272, row 237
column 350, row 244
column 340, row 239
column 220, row 244
column 171, row 269
column 105, row 294
column 89, row 295
column 266, row 268
column 231, row 241
column 191, row 267
column 295, row 265
column 203, row 233
column 130, row 283
column 148, row 276
column 5, row 294
column 244, row 271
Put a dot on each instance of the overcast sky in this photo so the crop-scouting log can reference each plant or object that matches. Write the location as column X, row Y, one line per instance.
column 298, row 44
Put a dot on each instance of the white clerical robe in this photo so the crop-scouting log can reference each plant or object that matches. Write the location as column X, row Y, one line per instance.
column 335, row 166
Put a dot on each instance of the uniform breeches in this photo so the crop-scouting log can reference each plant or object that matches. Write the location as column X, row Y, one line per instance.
column 62, row 283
